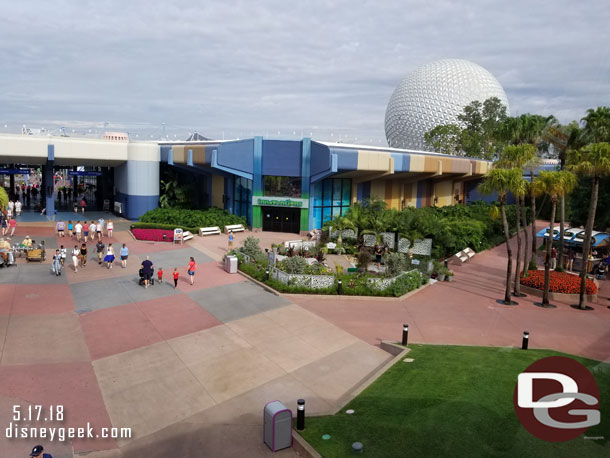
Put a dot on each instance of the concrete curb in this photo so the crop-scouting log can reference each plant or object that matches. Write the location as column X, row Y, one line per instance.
column 261, row 284
column 561, row 297
column 301, row 446
column 358, row 298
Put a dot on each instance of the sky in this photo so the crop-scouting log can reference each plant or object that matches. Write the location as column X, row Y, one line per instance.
column 282, row 69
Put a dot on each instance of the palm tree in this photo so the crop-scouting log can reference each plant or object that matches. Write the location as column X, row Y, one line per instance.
column 597, row 124
column 340, row 224
column 594, row 161
column 568, row 183
column 518, row 156
column 499, row 181
column 553, row 184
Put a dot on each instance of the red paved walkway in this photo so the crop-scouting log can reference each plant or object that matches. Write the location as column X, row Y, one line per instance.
column 465, row 312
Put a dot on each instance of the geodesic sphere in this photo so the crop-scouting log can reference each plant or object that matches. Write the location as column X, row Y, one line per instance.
column 436, row 94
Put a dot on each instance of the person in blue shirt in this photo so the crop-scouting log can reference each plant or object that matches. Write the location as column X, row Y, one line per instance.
column 38, row 452
column 124, row 255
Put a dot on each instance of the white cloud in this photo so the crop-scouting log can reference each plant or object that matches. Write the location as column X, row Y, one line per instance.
column 252, row 67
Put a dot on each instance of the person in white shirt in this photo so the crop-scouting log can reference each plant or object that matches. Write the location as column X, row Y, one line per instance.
column 78, row 229
column 18, row 208
column 63, row 252
column 75, row 255
column 92, row 230
column 100, row 228
column 109, row 227
column 11, row 205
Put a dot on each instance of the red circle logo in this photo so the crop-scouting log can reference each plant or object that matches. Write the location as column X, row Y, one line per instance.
column 557, row 399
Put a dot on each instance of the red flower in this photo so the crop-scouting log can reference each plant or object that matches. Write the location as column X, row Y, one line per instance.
column 560, row 282
column 155, row 235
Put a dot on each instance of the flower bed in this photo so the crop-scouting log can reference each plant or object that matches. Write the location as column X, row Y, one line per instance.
column 155, row 235
column 560, row 282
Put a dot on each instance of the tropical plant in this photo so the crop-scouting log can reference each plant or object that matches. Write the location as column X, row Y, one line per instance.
column 549, row 183
column 364, row 259
column 251, row 247
column 395, row 263
column 500, row 181
column 445, row 139
column 597, row 125
column 191, row 218
column 294, row 265
column 3, row 198
column 594, row 161
column 340, row 224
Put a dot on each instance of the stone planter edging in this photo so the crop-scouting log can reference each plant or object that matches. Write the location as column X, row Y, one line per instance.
column 568, row 298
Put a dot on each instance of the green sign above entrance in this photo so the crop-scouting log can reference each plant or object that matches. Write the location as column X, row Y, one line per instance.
column 286, row 202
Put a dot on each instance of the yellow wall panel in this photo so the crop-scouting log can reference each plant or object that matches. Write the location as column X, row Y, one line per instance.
column 444, row 191
column 378, row 189
column 416, row 163
column 179, row 154
column 374, row 161
column 218, row 190
column 198, row 154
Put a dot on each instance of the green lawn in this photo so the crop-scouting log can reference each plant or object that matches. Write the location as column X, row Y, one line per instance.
column 452, row 401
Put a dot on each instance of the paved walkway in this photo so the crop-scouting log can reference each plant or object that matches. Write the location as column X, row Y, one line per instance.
column 465, row 312
column 188, row 369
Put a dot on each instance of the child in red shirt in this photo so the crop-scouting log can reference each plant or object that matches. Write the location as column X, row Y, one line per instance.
column 176, row 275
column 160, row 275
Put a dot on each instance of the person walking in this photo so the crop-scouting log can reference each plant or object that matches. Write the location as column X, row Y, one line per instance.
column 85, row 230
column 83, row 255
column 75, row 255
column 230, row 241
column 124, row 255
column 61, row 227
column 92, row 230
column 56, row 266
column 11, row 207
column 191, row 270
column 100, row 228
column 160, row 275
column 553, row 258
column 147, row 270
column 176, row 276
column 12, row 223
column 37, row 452
column 70, row 228
column 109, row 227
column 78, row 229
column 99, row 249
column 63, row 252
column 83, row 204
column 4, row 226
column 18, row 208
column 109, row 258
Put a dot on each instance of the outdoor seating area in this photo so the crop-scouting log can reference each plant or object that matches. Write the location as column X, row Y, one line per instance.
column 214, row 230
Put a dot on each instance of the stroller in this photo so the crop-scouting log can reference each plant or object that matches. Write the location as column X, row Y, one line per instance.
column 600, row 270
column 141, row 280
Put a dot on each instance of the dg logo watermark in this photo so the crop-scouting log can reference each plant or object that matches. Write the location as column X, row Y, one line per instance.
column 557, row 399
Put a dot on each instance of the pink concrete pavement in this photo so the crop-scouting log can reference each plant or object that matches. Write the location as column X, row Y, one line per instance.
column 465, row 312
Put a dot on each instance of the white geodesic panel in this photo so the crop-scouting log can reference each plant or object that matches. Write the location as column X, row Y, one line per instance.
column 436, row 94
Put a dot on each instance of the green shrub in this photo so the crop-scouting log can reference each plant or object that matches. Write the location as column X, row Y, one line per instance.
column 364, row 259
column 191, row 218
column 170, row 227
column 294, row 265
column 251, row 247
column 394, row 263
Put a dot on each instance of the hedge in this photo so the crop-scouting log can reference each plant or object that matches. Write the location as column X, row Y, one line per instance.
column 170, row 227
column 190, row 219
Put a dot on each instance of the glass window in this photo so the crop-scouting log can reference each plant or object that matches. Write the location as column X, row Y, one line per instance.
column 337, row 192
column 282, row 186
column 325, row 214
column 328, row 190
column 317, row 194
column 347, row 191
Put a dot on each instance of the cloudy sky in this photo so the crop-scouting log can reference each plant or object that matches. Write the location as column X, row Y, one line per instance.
column 283, row 68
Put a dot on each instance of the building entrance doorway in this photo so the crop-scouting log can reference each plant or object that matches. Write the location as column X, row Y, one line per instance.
column 278, row 219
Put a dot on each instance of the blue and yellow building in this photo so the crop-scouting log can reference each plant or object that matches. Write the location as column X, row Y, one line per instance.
column 297, row 185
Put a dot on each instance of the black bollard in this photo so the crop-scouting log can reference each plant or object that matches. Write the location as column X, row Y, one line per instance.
column 340, row 286
column 300, row 414
column 405, row 334
column 267, row 274
column 526, row 338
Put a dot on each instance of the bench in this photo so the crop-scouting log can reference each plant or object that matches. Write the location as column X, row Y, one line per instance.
column 187, row 235
column 235, row 228
column 462, row 256
column 203, row 231
column 469, row 252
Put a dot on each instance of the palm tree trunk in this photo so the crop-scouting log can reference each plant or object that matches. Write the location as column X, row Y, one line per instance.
column 518, row 257
column 507, row 299
column 525, row 234
column 533, row 206
column 587, row 242
column 547, row 259
column 562, row 219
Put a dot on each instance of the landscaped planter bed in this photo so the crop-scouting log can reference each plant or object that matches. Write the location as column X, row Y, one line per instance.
column 564, row 287
column 153, row 235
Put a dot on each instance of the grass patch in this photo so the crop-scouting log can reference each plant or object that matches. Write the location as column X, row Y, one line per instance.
column 452, row 401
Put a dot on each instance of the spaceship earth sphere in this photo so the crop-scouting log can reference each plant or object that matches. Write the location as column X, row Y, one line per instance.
column 436, row 94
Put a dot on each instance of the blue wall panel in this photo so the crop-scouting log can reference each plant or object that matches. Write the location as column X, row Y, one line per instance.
column 320, row 158
column 281, row 158
column 136, row 206
column 348, row 158
column 237, row 155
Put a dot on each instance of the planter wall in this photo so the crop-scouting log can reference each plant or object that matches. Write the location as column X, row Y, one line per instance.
column 384, row 283
column 307, row 281
column 568, row 298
